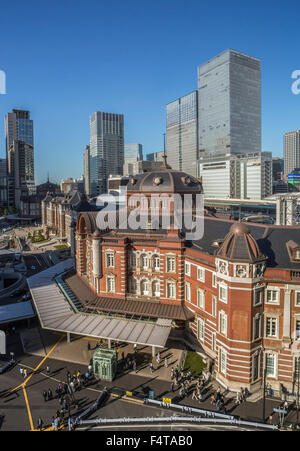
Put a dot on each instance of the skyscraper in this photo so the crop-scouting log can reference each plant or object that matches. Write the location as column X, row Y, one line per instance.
column 86, row 169
column 19, row 155
column 18, row 125
column 106, row 149
column 132, row 154
column 182, row 133
column 20, row 171
column 134, row 150
column 291, row 151
column 229, row 99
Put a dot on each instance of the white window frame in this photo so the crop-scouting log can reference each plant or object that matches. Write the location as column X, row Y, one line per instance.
column 214, row 305
column 274, row 374
column 255, row 318
column 201, row 329
column 223, row 323
column 156, row 258
column 225, row 287
column 273, row 320
column 187, row 292
column 171, row 293
column 200, row 274
column 201, row 298
column 110, row 259
column 214, row 341
column 146, row 292
column 110, row 284
column 187, row 269
column 171, row 263
column 256, row 291
column 214, row 282
column 272, row 290
column 297, row 295
column 146, row 258
column 222, row 362
column 154, row 292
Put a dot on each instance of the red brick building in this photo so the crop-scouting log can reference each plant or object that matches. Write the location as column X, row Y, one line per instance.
column 234, row 293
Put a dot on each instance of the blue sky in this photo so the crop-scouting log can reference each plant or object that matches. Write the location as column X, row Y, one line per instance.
column 66, row 59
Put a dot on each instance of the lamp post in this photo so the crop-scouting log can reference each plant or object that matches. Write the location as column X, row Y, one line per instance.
column 264, row 396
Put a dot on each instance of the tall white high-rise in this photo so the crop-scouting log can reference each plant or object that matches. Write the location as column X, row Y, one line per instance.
column 106, row 149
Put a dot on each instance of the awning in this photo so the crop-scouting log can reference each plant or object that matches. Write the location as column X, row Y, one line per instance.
column 55, row 313
column 16, row 312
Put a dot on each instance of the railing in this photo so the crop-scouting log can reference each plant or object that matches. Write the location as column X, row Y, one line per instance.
column 177, row 419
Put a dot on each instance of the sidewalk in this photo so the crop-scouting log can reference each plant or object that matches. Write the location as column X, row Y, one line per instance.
column 140, row 382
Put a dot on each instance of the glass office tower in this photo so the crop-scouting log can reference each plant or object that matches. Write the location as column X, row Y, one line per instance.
column 182, row 133
column 229, row 99
column 134, row 151
column 106, row 149
column 19, row 129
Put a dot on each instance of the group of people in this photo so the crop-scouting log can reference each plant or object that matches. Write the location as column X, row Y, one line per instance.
column 241, row 396
column 65, row 395
column 218, row 399
column 158, row 361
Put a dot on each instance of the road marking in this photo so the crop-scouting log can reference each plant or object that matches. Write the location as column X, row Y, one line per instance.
column 23, row 385
column 28, row 409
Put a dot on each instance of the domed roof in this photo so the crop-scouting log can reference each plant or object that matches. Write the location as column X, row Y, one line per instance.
column 240, row 245
column 164, row 180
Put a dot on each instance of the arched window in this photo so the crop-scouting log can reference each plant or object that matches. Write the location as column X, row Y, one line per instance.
column 144, row 287
column 132, row 285
column 144, row 262
column 156, row 288
column 156, row 262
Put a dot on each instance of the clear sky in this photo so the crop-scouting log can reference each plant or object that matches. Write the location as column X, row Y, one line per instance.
column 66, row 59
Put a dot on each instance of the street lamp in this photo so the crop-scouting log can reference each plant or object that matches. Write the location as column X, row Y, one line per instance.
column 264, row 396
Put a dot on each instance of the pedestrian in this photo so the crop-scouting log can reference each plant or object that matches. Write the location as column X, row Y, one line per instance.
column 123, row 356
column 194, row 395
column 213, row 398
column 47, row 369
column 45, row 395
column 172, row 386
column 56, row 424
column 200, row 396
column 70, row 423
column 151, row 367
column 25, row 373
column 90, row 369
column 135, row 347
column 40, row 424
column 50, row 395
column 134, row 365
column 21, row 371
column 172, row 373
column 166, row 362
column 158, row 358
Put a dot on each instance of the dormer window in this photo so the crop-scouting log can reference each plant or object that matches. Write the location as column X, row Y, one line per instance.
column 297, row 254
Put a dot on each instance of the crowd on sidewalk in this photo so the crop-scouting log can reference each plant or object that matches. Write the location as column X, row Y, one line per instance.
column 64, row 393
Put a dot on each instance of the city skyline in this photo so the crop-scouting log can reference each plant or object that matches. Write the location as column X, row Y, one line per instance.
column 61, row 94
